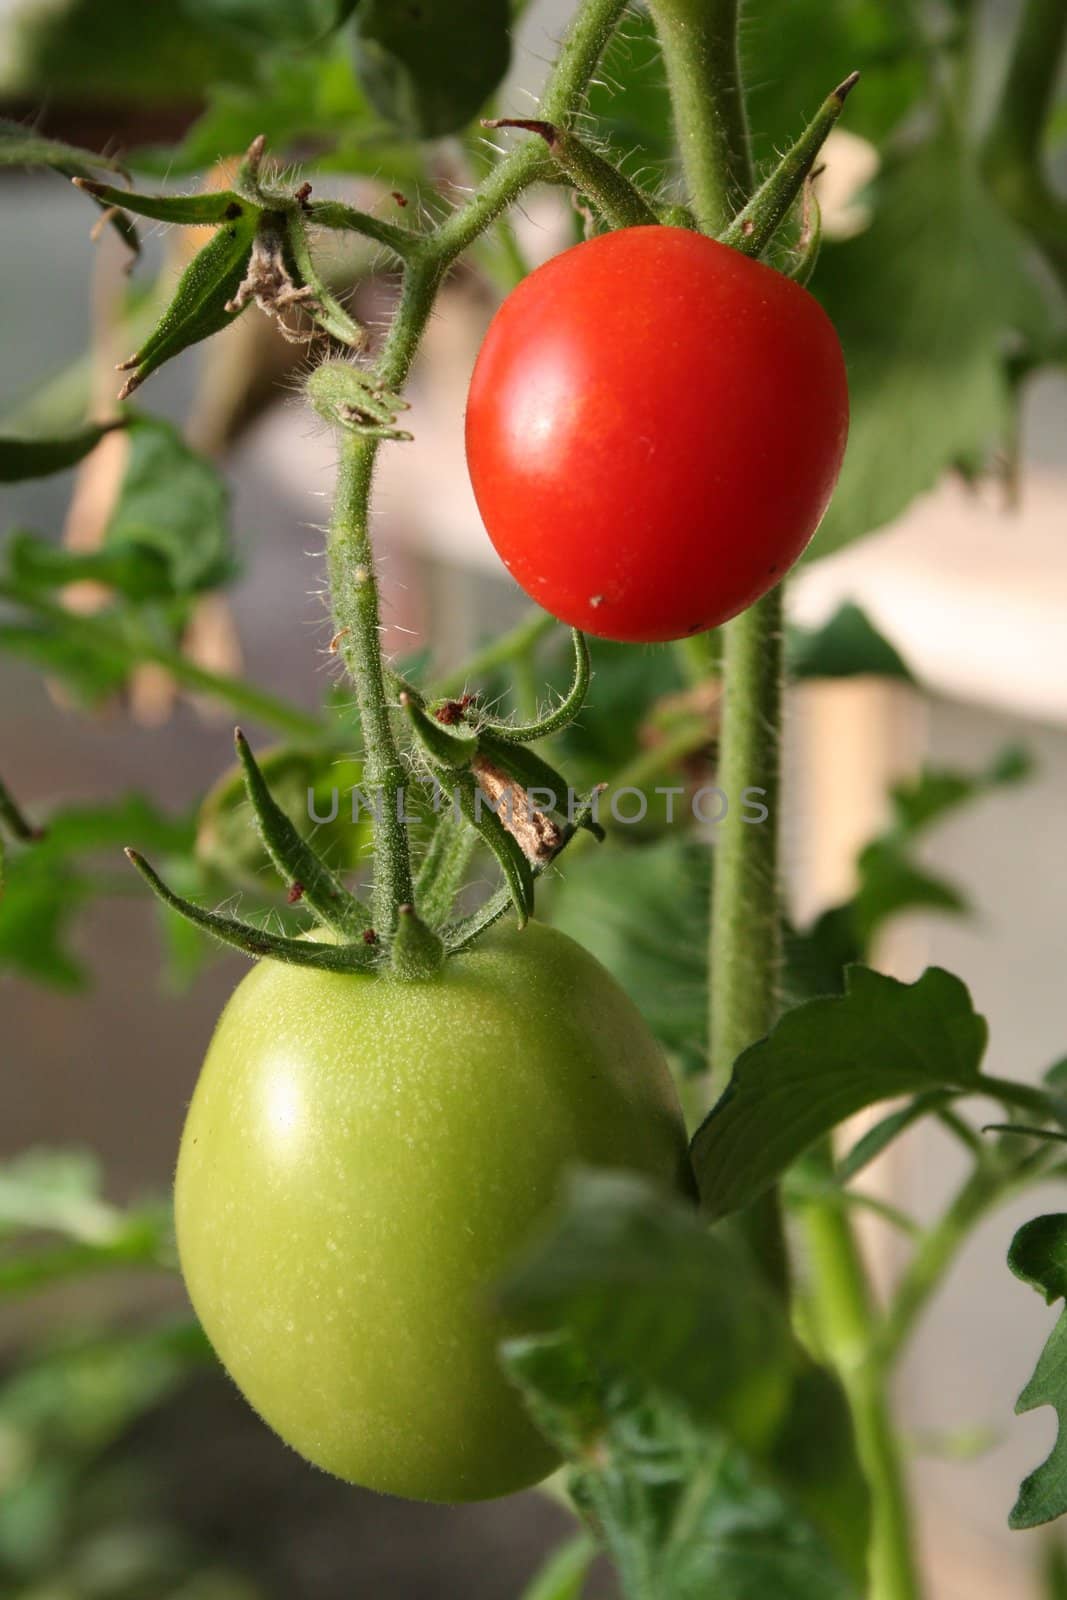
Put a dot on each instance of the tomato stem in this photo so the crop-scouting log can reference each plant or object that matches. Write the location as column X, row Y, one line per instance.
column 699, row 43
column 846, row 1323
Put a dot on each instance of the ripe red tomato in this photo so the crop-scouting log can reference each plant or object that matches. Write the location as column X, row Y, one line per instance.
column 654, row 429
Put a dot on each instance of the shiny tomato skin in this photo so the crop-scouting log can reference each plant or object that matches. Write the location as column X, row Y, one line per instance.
column 363, row 1158
column 654, row 429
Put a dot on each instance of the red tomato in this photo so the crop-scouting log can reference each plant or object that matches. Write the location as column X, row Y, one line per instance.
column 654, row 429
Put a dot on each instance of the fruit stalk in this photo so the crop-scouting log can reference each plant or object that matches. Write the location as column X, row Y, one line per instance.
column 699, row 43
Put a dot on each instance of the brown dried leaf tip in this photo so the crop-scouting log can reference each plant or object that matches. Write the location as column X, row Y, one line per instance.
column 537, row 836
column 268, row 282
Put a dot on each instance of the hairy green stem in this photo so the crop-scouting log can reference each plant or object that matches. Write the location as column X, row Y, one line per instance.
column 987, row 1186
column 745, row 922
column 846, row 1320
column 699, row 43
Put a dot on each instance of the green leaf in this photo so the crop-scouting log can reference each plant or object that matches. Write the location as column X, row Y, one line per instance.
column 924, row 334
column 682, row 1513
column 91, row 676
column 272, row 21
column 563, row 1575
column 429, row 65
column 919, row 802
column 847, row 646
column 890, row 883
column 825, row 1061
column 49, row 883
column 77, row 1395
column 889, row 880
column 37, row 458
column 115, row 51
column 642, row 1285
column 201, row 302
column 1038, row 1256
column 295, row 98
column 174, row 504
column 643, row 913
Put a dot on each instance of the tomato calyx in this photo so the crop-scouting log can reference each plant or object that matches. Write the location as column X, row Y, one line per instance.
column 499, row 790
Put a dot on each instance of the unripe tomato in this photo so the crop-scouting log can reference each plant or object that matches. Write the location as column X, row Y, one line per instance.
column 363, row 1158
column 654, row 429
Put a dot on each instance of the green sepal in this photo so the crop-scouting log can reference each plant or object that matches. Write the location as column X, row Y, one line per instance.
column 323, row 308
column 459, row 935
column 200, row 306
column 338, row 217
column 429, row 69
column 463, row 789
column 532, row 771
column 305, row 874
column 568, row 708
column 350, row 397
column 38, row 458
column 444, row 867
column 619, row 202
column 451, row 752
column 416, row 951
column 809, row 244
column 216, row 205
column 752, row 230
column 256, row 942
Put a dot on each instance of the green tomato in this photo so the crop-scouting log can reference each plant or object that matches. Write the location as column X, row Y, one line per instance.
column 364, row 1157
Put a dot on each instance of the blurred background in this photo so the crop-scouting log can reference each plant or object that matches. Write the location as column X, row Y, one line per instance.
column 970, row 586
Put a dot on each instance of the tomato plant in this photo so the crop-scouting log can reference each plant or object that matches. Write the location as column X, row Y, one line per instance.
column 654, row 429
column 434, row 1201
column 365, row 1156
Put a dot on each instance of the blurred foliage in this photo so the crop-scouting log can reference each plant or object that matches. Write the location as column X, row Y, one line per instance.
column 58, row 1196
column 52, row 877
